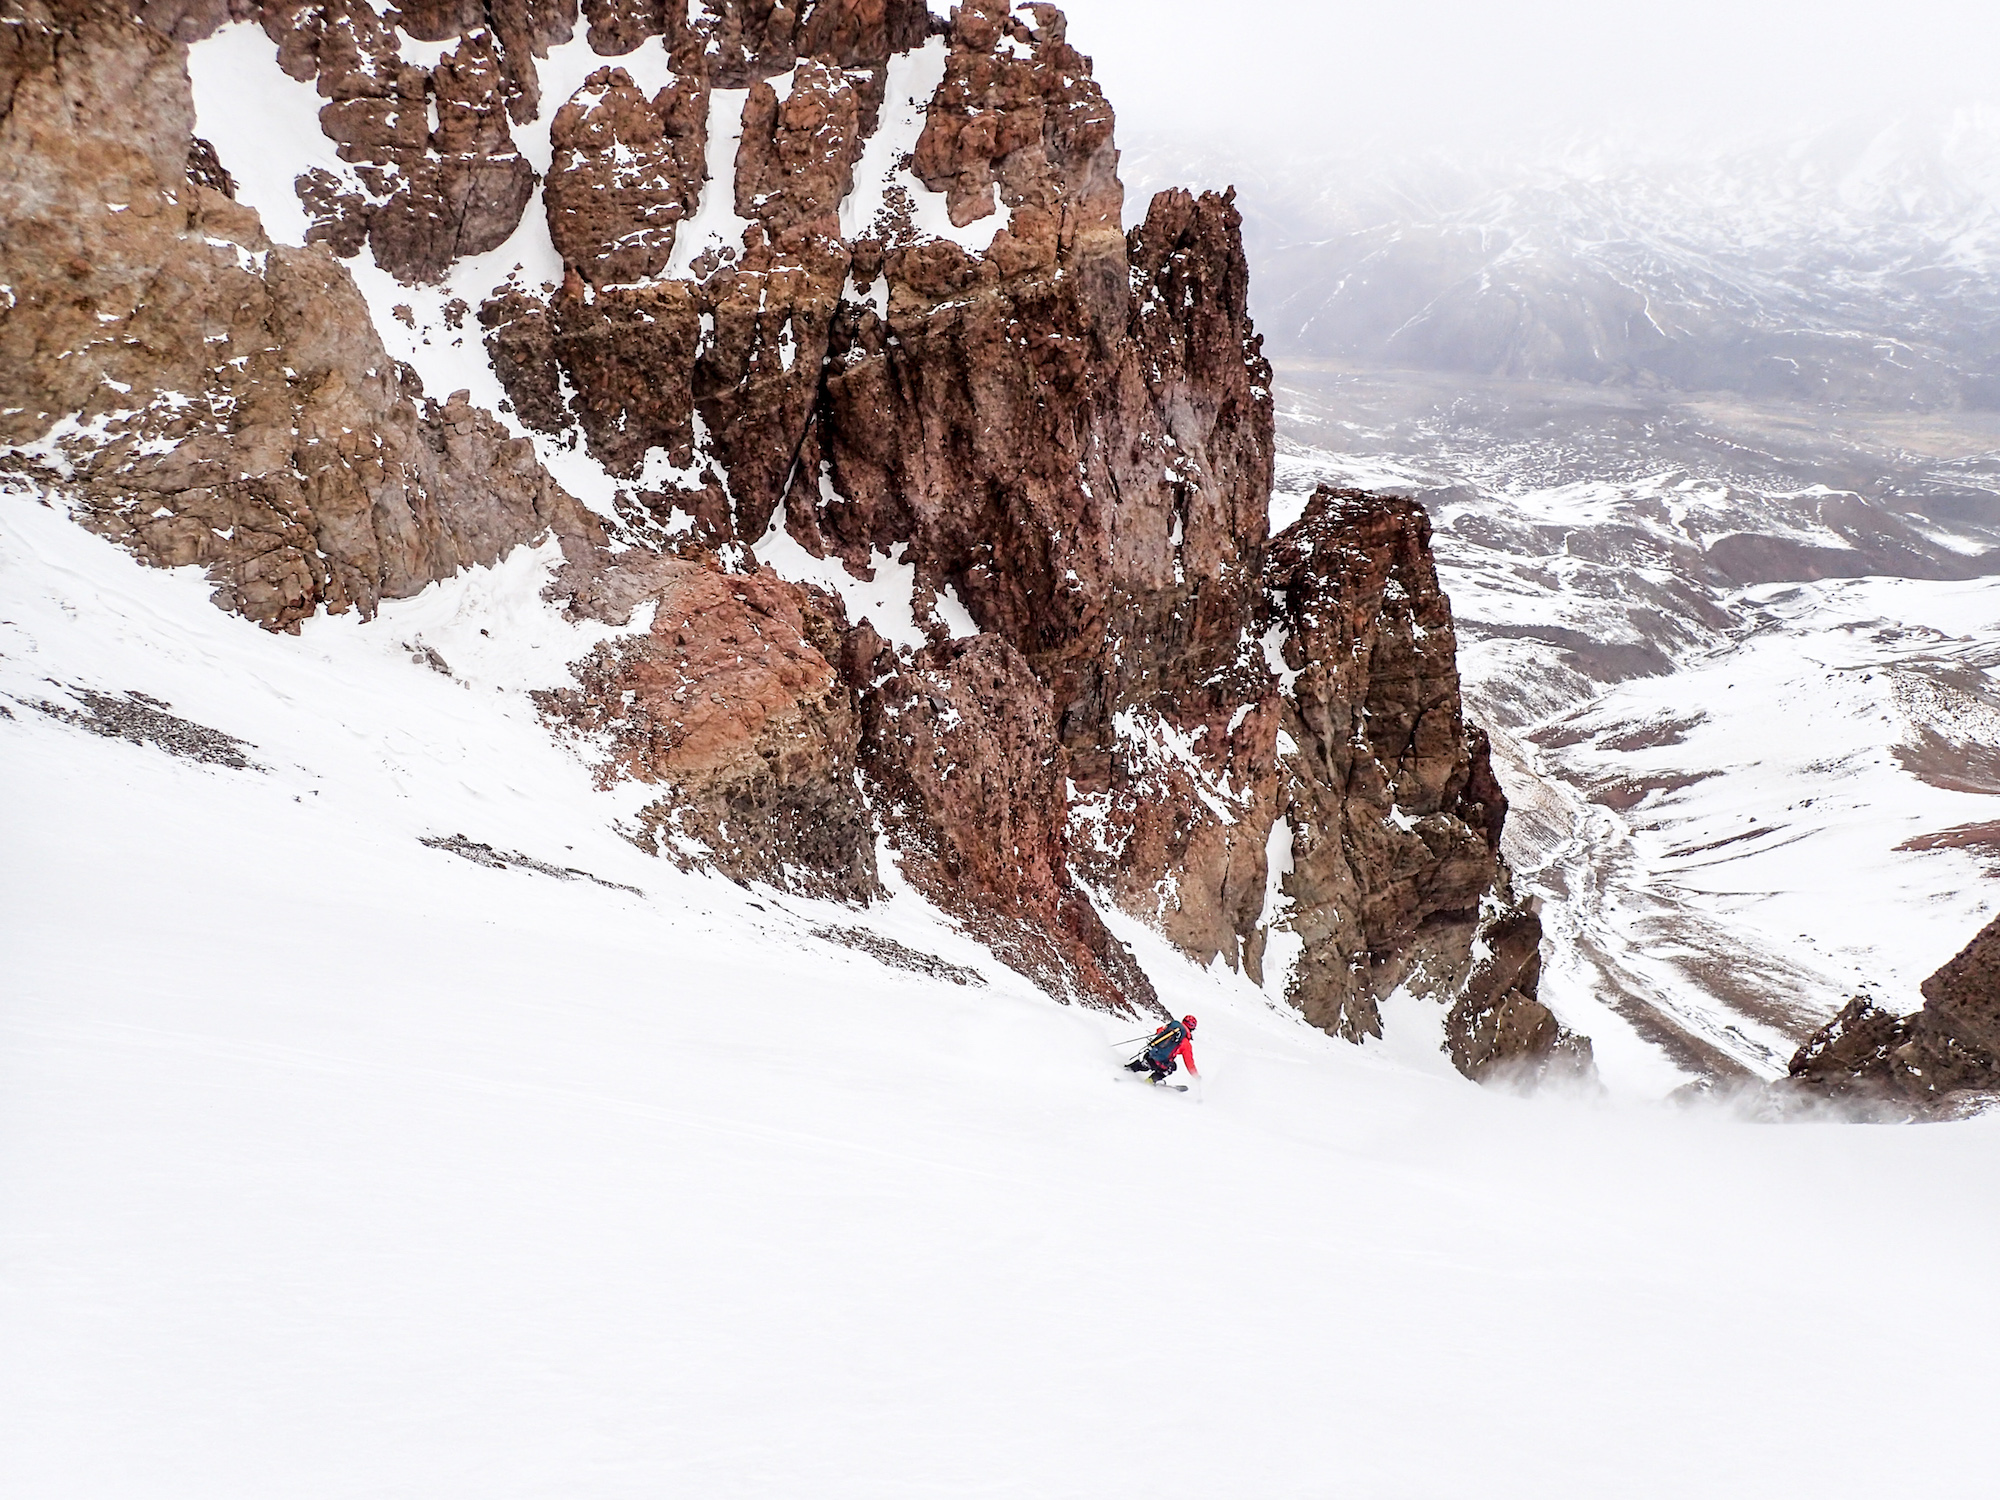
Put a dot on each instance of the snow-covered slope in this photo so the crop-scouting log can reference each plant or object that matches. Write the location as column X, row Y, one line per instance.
column 1778, row 826
column 333, row 1164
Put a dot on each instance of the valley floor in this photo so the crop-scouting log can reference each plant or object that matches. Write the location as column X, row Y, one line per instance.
column 333, row 1164
column 1743, row 803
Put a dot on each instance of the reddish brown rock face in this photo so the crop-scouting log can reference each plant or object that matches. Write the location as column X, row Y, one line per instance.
column 1497, row 1031
column 795, row 162
column 1018, row 121
column 1130, row 691
column 626, row 171
column 962, row 741
column 861, row 33
column 1962, row 1001
column 1382, row 847
column 618, row 26
column 522, row 30
column 431, row 193
column 755, row 39
column 729, row 704
column 239, row 411
column 626, row 353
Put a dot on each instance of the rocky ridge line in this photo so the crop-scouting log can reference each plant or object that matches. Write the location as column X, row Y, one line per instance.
column 1062, row 430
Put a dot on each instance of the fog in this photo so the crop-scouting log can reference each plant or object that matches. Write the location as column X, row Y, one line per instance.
column 1429, row 73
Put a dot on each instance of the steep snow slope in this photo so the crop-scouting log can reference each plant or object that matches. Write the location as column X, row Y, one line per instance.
column 333, row 1164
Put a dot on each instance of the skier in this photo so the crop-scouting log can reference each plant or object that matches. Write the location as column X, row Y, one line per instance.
column 1172, row 1043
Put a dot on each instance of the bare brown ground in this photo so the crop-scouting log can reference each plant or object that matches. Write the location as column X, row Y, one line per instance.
column 1952, row 765
column 1982, row 840
column 1627, row 792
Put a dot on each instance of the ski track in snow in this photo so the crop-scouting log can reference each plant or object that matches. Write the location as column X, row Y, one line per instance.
column 332, row 1164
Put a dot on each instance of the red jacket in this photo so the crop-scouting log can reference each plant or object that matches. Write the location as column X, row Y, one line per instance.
column 1184, row 1053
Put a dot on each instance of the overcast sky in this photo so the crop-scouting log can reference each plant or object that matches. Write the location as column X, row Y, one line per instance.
column 1473, row 69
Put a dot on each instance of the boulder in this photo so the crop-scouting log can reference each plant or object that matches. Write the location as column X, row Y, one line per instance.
column 1931, row 1062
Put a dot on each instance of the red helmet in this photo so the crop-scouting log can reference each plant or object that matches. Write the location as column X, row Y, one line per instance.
column 1188, row 1021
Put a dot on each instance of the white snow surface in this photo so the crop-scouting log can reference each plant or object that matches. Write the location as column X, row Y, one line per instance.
column 887, row 600
column 333, row 1165
column 715, row 224
column 263, row 124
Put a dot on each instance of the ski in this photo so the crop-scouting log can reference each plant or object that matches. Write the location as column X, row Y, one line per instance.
column 1179, row 1088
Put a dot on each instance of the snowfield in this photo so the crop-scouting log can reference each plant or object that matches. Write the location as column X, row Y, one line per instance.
column 336, row 1165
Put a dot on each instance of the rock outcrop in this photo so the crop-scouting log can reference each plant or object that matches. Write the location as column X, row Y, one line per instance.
column 435, row 172
column 962, row 741
column 1932, row 1062
column 208, row 397
column 1391, row 857
column 729, row 704
column 852, row 287
column 1496, row 1030
column 626, row 171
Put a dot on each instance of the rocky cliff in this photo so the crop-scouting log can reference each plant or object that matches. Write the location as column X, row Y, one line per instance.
column 209, row 397
column 832, row 296
column 1934, row 1062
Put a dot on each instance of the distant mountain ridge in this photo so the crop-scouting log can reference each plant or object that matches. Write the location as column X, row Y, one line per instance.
column 1859, row 265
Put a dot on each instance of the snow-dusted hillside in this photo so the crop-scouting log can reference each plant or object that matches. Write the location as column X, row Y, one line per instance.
column 333, row 1164
column 1747, row 785
column 1856, row 264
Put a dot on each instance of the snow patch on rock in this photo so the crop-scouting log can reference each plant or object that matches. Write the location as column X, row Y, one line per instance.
column 883, row 172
